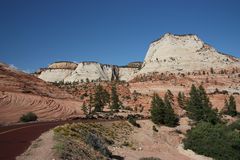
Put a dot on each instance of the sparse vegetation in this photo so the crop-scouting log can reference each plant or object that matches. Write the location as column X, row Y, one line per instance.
column 30, row 116
column 90, row 141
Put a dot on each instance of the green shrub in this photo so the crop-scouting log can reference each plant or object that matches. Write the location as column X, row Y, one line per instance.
column 217, row 141
column 30, row 116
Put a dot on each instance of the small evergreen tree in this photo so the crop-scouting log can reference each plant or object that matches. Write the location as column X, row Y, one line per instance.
column 100, row 99
column 170, row 119
column 115, row 105
column 157, row 110
column 162, row 111
column 199, row 108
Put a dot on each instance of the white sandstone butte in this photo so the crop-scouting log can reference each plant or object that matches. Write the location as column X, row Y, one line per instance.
column 184, row 53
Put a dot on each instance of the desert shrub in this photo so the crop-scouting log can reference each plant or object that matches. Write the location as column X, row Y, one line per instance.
column 217, row 141
column 98, row 144
column 132, row 120
column 30, row 116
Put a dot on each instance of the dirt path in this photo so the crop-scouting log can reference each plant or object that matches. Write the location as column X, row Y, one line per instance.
column 40, row 149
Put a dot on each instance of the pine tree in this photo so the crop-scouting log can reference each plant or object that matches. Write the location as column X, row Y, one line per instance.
column 157, row 110
column 199, row 108
column 115, row 105
column 170, row 119
column 162, row 111
column 100, row 99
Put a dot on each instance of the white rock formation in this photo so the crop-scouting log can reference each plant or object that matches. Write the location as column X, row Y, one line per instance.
column 54, row 75
column 184, row 53
column 90, row 70
column 126, row 73
column 70, row 72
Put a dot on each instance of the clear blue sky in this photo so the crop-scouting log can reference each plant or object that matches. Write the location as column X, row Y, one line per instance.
column 34, row 33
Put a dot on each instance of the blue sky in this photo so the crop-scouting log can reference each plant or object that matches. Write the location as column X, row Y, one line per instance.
column 34, row 33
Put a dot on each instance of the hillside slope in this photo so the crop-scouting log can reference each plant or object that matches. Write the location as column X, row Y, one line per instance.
column 21, row 93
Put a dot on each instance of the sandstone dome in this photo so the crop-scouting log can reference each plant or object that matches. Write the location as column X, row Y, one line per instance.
column 184, row 53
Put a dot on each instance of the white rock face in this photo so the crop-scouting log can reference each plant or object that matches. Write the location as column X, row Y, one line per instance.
column 86, row 70
column 54, row 75
column 126, row 74
column 184, row 53
column 90, row 70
